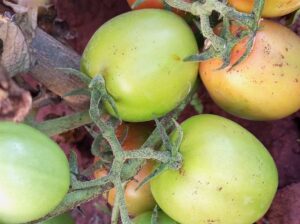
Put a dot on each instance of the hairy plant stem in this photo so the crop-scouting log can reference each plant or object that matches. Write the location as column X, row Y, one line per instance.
column 221, row 46
column 121, row 171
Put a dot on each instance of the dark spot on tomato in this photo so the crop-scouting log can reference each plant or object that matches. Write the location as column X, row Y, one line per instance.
column 176, row 57
column 278, row 65
column 296, row 80
column 181, row 171
column 210, row 221
column 286, row 49
column 220, row 188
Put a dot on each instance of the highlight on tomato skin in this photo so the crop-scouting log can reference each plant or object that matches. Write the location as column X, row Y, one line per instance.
column 272, row 8
column 137, row 201
column 266, row 85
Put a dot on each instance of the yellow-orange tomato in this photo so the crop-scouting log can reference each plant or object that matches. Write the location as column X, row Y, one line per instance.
column 272, row 8
column 141, row 200
column 156, row 4
column 266, row 85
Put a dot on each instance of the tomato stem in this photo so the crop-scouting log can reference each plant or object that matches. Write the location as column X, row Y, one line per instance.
column 125, row 165
column 221, row 46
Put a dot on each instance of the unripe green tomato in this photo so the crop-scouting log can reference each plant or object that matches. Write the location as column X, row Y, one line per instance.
column 140, row 55
column 227, row 176
column 145, row 218
column 34, row 172
column 61, row 219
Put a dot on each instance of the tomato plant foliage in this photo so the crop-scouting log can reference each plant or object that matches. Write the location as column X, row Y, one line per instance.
column 34, row 174
column 141, row 200
column 227, row 175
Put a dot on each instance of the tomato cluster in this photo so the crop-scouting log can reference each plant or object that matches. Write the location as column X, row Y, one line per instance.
column 227, row 175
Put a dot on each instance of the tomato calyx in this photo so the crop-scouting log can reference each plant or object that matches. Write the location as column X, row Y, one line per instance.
column 170, row 157
column 221, row 46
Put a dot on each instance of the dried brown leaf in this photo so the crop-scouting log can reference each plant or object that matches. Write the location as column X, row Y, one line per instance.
column 15, row 57
column 15, row 103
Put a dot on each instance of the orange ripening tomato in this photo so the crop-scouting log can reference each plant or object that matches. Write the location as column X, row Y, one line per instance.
column 272, row 8
column 156, row 4
column 148, row 4
column 265, row 85
column 141, row 200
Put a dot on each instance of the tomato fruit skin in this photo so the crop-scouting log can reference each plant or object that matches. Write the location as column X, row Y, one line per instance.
column 145, row 218
column 34, row 176
column 147, row 4
column 227, row 175
column 140, row 55
column 157, row 4
column 61, row 219
column 272, row 8
column 266, row 85
column 141, row 200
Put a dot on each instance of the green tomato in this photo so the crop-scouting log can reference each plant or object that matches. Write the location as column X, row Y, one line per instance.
column 61, row 219
column 145, row 218
column 34, row 171
column 140, row 55
column 227, row 175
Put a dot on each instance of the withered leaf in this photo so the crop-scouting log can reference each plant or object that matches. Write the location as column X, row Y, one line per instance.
column 15, row 103
column 15, row 57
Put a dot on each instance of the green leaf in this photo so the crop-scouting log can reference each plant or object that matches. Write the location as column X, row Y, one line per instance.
column 73, row 166
column 154, row 217
column 295, row 17
column 197, row 104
